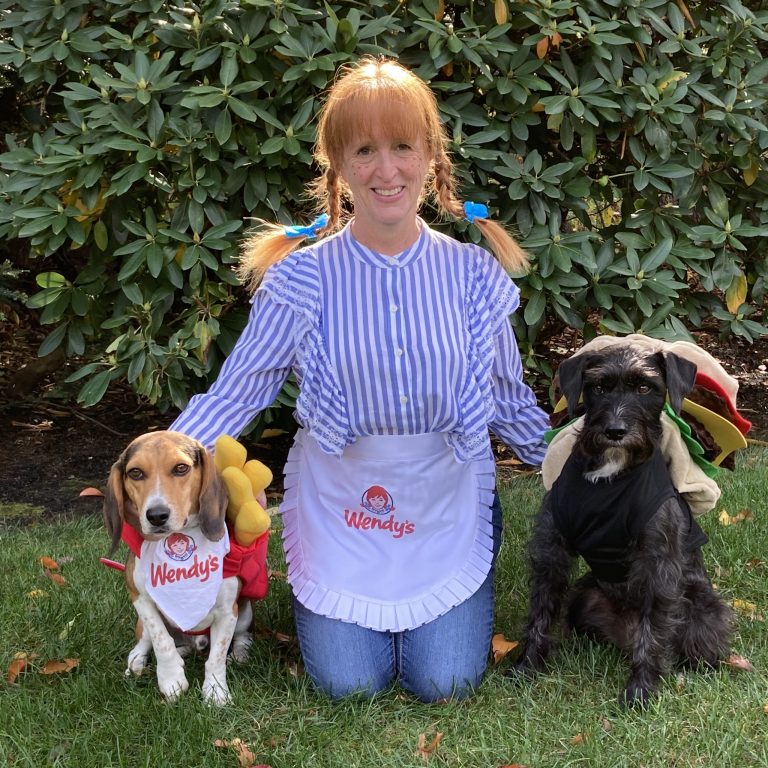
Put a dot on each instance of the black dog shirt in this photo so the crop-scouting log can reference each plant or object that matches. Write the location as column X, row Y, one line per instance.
column 601, row 520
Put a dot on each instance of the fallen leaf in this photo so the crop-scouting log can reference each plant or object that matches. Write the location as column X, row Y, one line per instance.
column 606, row 725
column 35, row 593
column 18, row 665
column 501, row 647
column 509, row 463
column 56, row 578
column 49, row 563
column 739, row 663
column 295, row 669
column 58, row 752
column 765, row 707
column 725, row 519
column 245, row 757
column 746, row 609
column 91, row 492
column 425, row 750
column 579, row 738
column 755, row 562
column 52, row 667
column 513, row 765
column 64, row 634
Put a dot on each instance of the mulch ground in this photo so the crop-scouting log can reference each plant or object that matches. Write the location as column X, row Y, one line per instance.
column 52, row 448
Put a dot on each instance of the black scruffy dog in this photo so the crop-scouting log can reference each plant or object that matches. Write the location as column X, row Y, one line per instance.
column 614, row 504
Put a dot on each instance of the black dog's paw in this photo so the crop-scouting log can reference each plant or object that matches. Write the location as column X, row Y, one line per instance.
column 522, row 670
column 530, row 662
column 636, row 694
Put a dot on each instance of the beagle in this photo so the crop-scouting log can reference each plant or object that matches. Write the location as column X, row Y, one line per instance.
column 165, row 499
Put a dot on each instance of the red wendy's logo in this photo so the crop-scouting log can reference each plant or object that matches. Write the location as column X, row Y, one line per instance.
column 377, row 500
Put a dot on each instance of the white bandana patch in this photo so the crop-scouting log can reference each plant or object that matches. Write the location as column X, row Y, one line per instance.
column 183, row 574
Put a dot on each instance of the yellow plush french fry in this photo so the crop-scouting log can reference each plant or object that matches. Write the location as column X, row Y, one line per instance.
column 228, row 453
column 259, row 474
column 239, row 490
column 251, row 522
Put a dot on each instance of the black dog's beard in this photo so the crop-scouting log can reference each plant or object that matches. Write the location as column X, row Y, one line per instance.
column 605, row 457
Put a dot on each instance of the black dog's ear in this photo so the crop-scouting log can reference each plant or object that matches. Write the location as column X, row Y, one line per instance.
column 571, row 375
column 213, row 499
column 680, row 376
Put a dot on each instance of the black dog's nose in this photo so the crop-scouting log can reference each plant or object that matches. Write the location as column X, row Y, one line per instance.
column 158, row 515
column 615, row 433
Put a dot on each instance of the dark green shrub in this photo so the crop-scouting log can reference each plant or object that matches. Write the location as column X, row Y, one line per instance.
column 622, row 140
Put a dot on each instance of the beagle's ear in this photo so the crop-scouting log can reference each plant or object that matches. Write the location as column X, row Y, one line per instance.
column 114, row 503
column 213, row 499
column 571, row 375
column 680, row 377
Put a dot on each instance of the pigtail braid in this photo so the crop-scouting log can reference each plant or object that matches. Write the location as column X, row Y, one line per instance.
column 333, row 199
column 504, row 247
column 445, row 187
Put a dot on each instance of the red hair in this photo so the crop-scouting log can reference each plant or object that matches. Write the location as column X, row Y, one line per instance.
column 376, row 490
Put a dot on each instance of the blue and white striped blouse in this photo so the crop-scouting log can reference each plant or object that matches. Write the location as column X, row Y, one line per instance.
column 381, row 345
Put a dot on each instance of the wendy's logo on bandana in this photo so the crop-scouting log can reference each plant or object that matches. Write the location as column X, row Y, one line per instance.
column 179, row 546
column 377, row 500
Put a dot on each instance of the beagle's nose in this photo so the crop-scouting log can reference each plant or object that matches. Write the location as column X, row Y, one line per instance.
column 158, row 515
column 615, row 432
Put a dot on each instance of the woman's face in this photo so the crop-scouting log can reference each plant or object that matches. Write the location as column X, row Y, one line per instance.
column 386, row 178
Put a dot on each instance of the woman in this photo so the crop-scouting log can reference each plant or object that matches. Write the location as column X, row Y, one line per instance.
column 400, row 340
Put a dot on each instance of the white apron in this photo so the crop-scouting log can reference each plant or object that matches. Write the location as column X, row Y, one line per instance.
column 183, row 574
column 390, row 535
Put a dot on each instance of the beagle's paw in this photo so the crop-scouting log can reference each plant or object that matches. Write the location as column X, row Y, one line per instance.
column 138, row 660
column 241, row 647
column 216, row 693
column 171, row 679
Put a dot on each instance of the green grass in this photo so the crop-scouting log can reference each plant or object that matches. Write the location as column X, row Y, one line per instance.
column 95, row 717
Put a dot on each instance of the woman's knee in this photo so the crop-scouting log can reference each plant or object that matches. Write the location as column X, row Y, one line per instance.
column 343, row 659
column 435, row 690
column 340, row 685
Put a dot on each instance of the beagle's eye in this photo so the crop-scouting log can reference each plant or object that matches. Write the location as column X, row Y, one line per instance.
column 598, row 389
column 181, row 469
column 135, row 473
column 643, row 389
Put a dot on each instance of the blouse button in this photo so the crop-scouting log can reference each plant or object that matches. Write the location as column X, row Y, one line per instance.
column 399, row 352
column 393, row 308
column 403, row 399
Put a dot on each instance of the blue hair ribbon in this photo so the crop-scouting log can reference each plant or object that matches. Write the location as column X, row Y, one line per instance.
column 474, row 211
column 310, row 230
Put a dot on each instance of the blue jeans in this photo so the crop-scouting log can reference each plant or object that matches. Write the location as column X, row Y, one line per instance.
column 443, row 659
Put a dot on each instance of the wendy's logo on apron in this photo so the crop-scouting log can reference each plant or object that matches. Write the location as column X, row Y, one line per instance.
column 379, row 502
